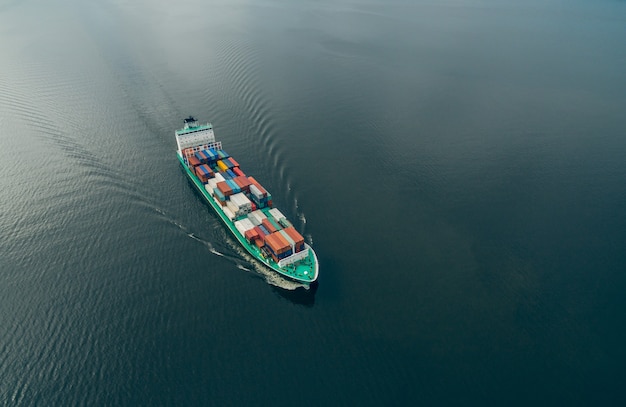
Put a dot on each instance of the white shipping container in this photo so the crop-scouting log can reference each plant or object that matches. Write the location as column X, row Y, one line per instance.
column 219, row 177
column 228, row 213
column 243, row 225
column 239, row 227
column 241, row 200
column 253, row 219
column 213, row 184
column 259, row 216
column 256, row 192
column 276, row 214
column 289, row 240
column 259, row 213
column 247, row 224
column 230, row 205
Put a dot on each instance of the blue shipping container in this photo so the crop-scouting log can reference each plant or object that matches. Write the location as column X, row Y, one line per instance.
column 219, row 194
column 260, row 203
column 233, row 185
column 264, row 229
column 210, row 156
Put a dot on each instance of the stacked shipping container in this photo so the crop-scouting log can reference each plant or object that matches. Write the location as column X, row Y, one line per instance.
column 242, row 199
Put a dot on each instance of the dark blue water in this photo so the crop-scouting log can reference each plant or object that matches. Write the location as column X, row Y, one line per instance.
column 458, row 166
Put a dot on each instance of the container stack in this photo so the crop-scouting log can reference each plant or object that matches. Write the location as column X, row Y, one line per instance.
column 201, row 157
column 278, row 247
column 243, row 183
column 204, row 172
column 224, row 188
column 276, row 214
column 268, row 225
column 211, row 154
column 244, row 225
column 221, row 198
column 193, row 161
column 259, row 195
column 228, row 212
column 241, row 205
column 256, row 217
column 296, row 237
column 245, row 201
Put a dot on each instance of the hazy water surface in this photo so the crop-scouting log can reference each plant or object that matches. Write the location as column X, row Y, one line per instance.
column 458, row 166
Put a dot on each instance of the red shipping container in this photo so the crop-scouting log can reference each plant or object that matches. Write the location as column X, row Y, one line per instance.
column 253, row 206
column 260, row 232
column 193, row 161
column 237, row 171
column 268, row 225
column 259, row 243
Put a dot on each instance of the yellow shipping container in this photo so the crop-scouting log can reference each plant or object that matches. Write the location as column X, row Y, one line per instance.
column 222, row 166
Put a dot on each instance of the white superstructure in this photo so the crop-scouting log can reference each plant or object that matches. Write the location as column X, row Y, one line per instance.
column 195, row 137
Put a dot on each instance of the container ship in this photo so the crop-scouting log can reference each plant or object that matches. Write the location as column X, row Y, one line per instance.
column 244, row 205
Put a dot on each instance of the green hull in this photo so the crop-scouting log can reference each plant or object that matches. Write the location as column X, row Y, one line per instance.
column 304, row 271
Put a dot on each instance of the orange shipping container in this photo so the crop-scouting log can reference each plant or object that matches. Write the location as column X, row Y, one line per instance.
column 268, row 225
column 273, row 244
column 277, row 243
column 251, row 234
column 294, row 235
column 224, row 188
column 283, row 241
column 232, row 160
column 242, row 182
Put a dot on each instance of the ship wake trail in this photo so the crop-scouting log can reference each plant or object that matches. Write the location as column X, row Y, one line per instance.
column 252, row 265
column 269, row 276
column 170, row 220
column 208, row 244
